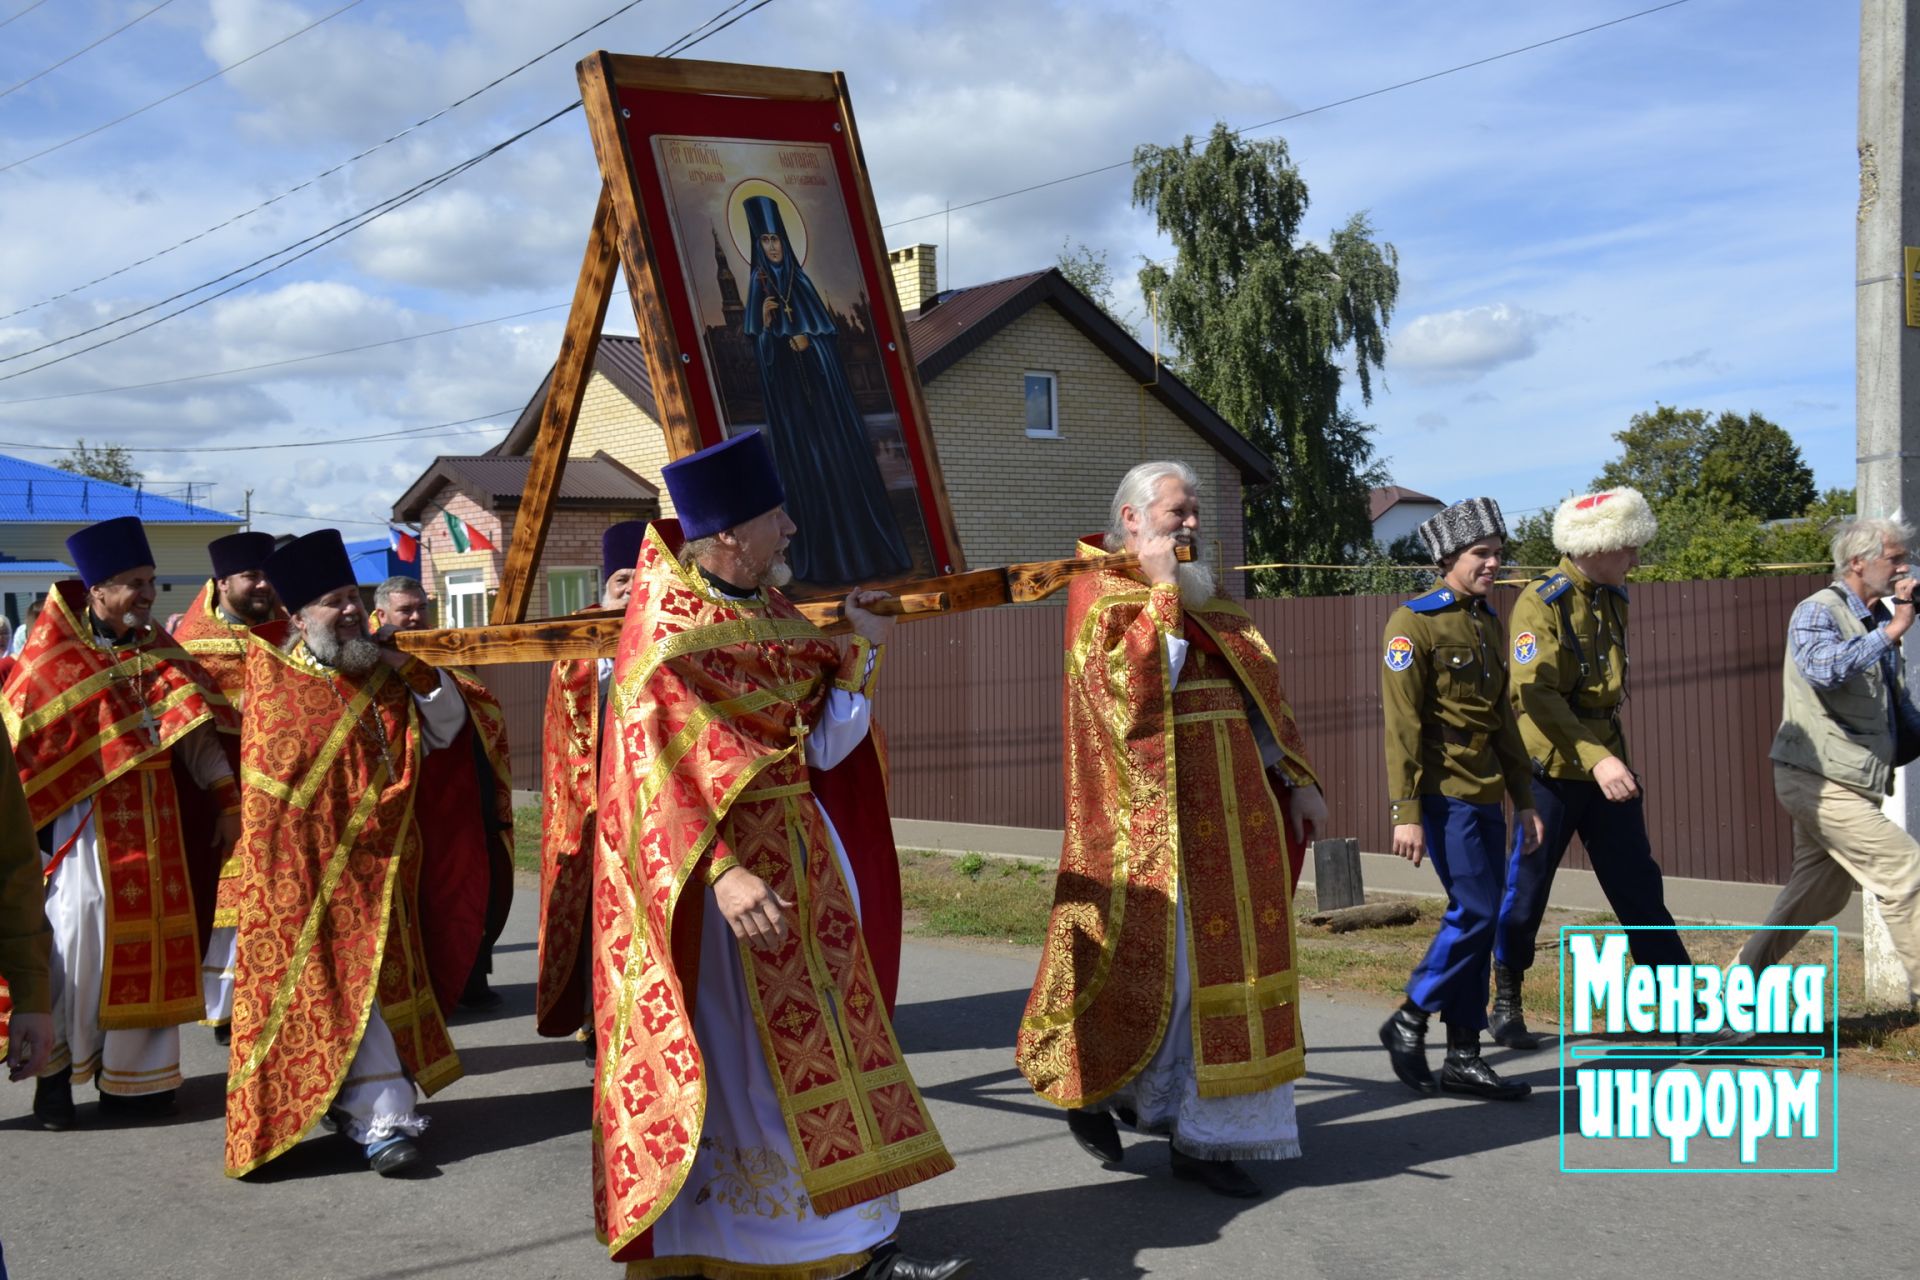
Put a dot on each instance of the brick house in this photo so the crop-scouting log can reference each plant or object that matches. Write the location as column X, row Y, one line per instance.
column 484, row 492
column 1039, row 403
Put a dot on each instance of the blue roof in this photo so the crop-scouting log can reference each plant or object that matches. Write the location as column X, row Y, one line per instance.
column 39, row 568
column 373, row 563
column 33, row 493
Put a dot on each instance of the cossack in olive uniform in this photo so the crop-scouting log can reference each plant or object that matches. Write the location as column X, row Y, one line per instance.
column 1450, row 730
column 1569, row 665
column 1453, row 755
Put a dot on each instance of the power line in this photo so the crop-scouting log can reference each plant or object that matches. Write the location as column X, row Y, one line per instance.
column 1325, row 106
column 404, row 433
column 276, row 364
column 345, row 226
column 325, row 521
column 319, row 240
column 327, row 173
column 4, row 22
column 101, row 128
column 95, row 45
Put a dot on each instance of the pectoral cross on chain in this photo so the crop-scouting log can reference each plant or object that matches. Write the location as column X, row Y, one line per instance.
column 800, row 730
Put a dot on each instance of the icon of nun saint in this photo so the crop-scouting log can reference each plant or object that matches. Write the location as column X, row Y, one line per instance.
column 847, row 531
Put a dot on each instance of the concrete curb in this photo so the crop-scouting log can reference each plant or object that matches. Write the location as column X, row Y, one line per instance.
column 1698, row 901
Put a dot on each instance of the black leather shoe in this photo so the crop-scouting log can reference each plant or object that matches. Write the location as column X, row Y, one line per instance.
column 479, row 995
column 53, row 1101
column 1096, row 1134
column 393, row 1157
column 891, row 1264
column 1507, row 1021
column 1222, row 1177
column 223, row 1034
column 1405, row 1035
column 143, row 1106
column 1465, row 1072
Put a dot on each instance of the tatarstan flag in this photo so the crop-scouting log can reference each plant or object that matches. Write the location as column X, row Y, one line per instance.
column 465, row 536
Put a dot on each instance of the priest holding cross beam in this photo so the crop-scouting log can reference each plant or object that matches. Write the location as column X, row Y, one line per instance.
column 747, row 905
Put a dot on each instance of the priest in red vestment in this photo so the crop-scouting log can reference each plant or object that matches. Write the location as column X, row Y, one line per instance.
column 471, row 808
column 118, row 736
column 338, row 987
column 753, row 1112
column 214, row 631
column 570, row 783
column 1167, row 994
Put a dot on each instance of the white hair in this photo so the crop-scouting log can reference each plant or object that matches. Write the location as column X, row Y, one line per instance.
column 1138, row 489
column 1865, row 536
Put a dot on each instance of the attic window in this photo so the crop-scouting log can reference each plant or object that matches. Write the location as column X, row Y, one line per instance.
column 1043, row 405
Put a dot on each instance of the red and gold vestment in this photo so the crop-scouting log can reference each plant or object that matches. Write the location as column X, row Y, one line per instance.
column 704, row 767
column 1166, row 803
column 96, row 727
column 329, row 920
column 570, row 768
column 220, row 647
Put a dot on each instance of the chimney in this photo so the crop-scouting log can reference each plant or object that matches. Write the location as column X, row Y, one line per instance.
column 914, row 277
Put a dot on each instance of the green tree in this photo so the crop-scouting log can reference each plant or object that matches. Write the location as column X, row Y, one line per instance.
column 1086, row 269
column 1703, row 535
column 1755, row 464
column 1530, row 541
column 1263, row 322
column 1660, row 453
column 109, row 462
column 1809, row 539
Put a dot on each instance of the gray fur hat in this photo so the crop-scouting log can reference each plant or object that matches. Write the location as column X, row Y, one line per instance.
column 1462, row 525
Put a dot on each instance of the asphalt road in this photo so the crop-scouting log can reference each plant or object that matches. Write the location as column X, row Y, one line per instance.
column 1391, row 1185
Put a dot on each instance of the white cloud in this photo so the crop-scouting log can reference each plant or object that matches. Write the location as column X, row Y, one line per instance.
column 1467, row 343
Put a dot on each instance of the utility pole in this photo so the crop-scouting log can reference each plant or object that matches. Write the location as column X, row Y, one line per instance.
column 1887, row 334
column 249, row 524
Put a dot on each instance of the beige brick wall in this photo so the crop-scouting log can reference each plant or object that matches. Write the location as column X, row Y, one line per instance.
column 573, row 542
column 610, row 421
column 1017, row 497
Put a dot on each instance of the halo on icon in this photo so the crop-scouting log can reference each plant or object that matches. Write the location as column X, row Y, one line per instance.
column 790, row 216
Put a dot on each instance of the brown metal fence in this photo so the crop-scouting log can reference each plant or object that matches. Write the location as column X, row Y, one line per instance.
column 970, row 706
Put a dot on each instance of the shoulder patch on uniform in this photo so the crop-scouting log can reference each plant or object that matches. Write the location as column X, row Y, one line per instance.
column 1525, row 647
column 1553, row 586
column 1433, row 601
column 1399, row 653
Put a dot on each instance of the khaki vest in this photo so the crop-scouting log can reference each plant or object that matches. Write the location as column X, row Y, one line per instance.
column 1844, row 733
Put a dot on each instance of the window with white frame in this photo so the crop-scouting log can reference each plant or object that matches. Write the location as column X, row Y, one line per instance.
column 1043, row 404
column 571, row 590
column 466, row 598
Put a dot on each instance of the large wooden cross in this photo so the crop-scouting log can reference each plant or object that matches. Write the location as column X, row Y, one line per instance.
column 624, row 235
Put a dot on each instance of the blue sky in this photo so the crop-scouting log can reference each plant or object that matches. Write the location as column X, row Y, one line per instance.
column 1661, row 211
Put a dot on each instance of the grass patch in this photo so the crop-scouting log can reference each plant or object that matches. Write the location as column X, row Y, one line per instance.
column 975, row 897
column 526, row 839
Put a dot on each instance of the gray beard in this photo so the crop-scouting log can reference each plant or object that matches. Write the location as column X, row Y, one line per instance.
column 355, row 657
column 1195, row 579
column 778, row 574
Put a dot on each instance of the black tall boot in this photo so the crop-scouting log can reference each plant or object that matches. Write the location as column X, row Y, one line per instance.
column 1465, row 1072
column 1405, row 1035
column 1507, row 1017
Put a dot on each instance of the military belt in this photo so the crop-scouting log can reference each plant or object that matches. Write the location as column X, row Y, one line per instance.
column 1454, row 734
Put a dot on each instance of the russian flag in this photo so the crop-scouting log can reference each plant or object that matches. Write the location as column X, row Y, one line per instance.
column 403, row 544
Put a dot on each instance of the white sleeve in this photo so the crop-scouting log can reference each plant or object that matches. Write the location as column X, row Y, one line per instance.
column 841, row 726
column 1176, row 658
column 442, row 713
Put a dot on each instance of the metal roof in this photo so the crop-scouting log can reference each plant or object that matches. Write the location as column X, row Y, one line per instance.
column 497, row 482
column 31, row 492
column 1388, row 496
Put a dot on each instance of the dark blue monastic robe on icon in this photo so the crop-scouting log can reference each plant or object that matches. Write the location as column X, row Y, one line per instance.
column 847, row 530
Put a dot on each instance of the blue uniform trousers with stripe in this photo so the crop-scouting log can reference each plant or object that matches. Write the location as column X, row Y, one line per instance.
column 1466, row 844
column 1615, row 838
